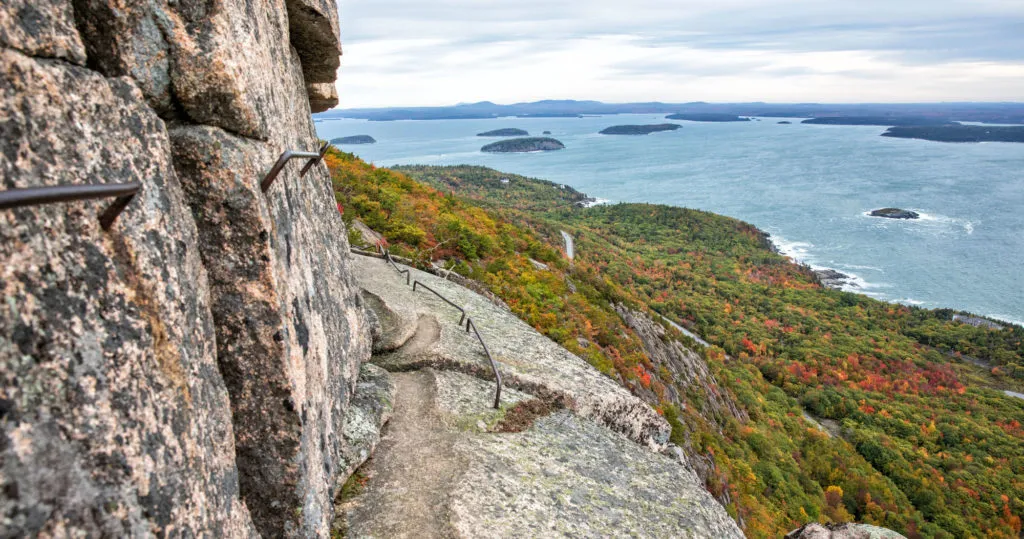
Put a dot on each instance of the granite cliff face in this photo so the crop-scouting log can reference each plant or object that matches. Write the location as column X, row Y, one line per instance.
column 691, row 376
column 188, row 371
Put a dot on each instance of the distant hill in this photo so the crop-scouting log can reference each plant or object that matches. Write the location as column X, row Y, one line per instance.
column 707, row 117
column 518, row 145
column 355, row 139
column 638, row 129
column 878, row 120
column 506, row 132
column 959, row 133
column 1004, row 113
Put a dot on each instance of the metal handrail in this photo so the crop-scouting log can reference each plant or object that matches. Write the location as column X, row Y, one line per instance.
column 309, row 165
column 494, row 365
column 408, row 275
column 31, row 196
column 468, row 321
column 446, row 300
column 288, row 155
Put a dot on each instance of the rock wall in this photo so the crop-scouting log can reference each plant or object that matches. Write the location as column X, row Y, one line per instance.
column 188, row 371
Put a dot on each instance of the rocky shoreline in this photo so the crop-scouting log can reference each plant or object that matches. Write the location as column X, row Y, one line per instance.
column 830, row 278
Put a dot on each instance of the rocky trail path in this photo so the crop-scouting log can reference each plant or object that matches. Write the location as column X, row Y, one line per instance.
column 413, row 470
column 449, row 465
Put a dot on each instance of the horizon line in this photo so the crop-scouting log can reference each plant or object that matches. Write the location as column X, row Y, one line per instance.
column 773, row 103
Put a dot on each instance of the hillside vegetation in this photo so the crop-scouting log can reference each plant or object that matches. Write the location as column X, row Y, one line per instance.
column 928, row 447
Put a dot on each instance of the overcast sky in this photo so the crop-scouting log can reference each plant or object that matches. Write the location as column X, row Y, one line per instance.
column 441, row 52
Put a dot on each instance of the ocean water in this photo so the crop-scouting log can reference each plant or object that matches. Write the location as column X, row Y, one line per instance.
column 809, row 186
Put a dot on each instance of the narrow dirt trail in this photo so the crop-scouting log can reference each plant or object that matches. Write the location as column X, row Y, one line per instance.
column 428, row 331
column 412, row 472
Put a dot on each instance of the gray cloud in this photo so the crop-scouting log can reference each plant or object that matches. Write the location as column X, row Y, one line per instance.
column 464, row 36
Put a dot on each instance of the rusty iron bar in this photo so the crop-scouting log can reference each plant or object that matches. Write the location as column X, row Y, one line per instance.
column 32, row 196
column 281, row 161
column 309, row 165
column 494, row 366
column 408, row 275
column 446, row 300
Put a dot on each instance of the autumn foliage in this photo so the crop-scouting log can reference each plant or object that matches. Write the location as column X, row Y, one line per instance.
column 921, row 442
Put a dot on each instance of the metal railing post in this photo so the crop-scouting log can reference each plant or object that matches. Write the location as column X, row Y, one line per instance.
column 288, row 155
column 309, row 165
column 494, row 365
column 387, row 256
column 31, row 196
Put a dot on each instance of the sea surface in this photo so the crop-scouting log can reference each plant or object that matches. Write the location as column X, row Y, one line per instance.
column 809, row 186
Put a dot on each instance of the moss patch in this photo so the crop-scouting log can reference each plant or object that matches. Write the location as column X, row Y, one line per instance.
column 522, row 415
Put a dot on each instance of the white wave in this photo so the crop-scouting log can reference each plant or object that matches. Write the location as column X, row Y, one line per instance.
column 797, row 250
column 860, row 284
column 1007, row 319
column 910, row 301
column 857, row 267
column 927, row 219
column 802, row 252
column 596, row 202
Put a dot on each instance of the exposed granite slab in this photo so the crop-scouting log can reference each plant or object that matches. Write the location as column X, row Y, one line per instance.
column 442, row 472
column 567, row 476
column 370, row 408
column 527, row 360
column 690, row 373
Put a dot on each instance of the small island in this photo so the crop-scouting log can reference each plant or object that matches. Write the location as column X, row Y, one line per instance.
column 547, row 132
column 707, row 117
column 506, row 132
column 895, row 213
column 878, row 120
column 638, row 129
column 519, row 145
column 356, row 139
column 785, row 122
column 959, row 133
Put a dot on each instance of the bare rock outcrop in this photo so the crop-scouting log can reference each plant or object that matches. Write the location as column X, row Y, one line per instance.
column 189, row 370
column 691, row 385
column 689, row 371
column 842, row 531
column 448, row 468
column 527, row 360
